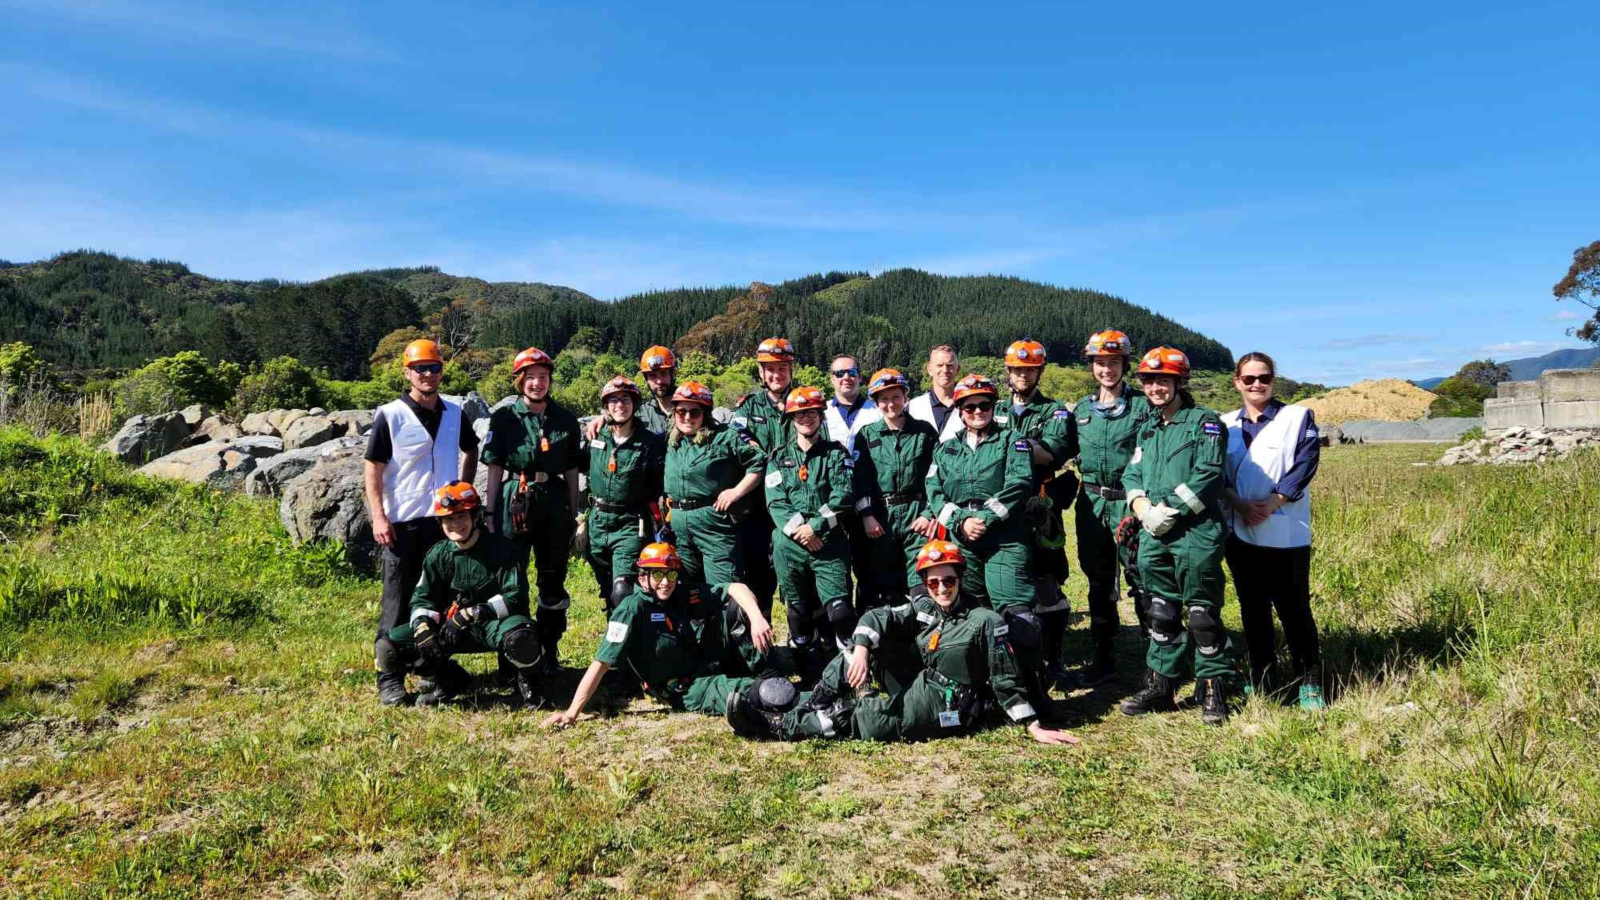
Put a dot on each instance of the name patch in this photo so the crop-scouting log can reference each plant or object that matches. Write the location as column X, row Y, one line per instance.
column 658, row 617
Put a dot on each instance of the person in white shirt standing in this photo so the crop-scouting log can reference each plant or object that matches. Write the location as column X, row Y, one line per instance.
column 1273, row 452
column 850, row 410
column 412, row 452
column 935, row 407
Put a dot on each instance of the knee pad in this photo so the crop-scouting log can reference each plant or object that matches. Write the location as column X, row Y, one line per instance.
column 620, row 589
column 388, row 656
column 555, row 604
column 774, row 694
column 840, row 612
column 522, row 647
column 1164, row 623
column 1209, row 637
column 737, row 623
column 1025, row 630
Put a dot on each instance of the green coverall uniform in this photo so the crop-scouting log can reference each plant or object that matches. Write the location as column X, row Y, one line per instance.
column 697, row 470
column 493, row 571
column 1106, row 438
column 1180, row 463
column 689, row 652
column 965, row 658
column 1050, row 426
column 758, row 416
column 812, row 487
column 532, row 447
column 624, row 479
column 891, row 485
column 649, row 412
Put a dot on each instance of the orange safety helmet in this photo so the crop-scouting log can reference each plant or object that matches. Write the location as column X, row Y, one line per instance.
column 692, row 392
column 659, row 556
column 657, row 358
column 940, row 553
column 455, row 497
column 802, row 399
column 1110, row 342
column 1025, row 353
column 532, row 356
column 775, row 350
column 620, row 385
column 1165, row 361
column 974, row 385
column 422, row 350
column 883, row 379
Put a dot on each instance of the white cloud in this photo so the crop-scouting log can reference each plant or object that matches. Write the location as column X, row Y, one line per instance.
column 1566, row 315
column 193, row 24
column 1374, row 340
column 1519, row 349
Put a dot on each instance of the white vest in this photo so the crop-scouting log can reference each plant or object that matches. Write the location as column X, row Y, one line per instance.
column 1254, row 471
column 921, row 407
column 843, row 434
column 420, row 465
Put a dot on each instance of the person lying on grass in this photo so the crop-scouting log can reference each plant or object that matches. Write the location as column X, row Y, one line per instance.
column 690, row 645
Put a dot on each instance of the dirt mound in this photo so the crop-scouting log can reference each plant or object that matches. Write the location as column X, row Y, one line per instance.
column 1387, row 399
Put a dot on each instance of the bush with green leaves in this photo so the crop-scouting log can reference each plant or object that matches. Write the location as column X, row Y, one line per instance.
column 1459, row 396
column 386, row 383
column 173, row 382
column 280, row 383
column 20, row 364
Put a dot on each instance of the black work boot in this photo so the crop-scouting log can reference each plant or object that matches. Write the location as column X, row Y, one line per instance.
column 392, row 689
column 749, row 720
column 1214, row 703
column 527, row 688
column 450, row 682
column 1155, row 696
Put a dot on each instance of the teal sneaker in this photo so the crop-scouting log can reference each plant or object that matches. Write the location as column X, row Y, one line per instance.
column 1311, row 698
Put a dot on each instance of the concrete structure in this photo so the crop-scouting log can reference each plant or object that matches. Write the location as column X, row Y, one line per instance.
column 1561, row 398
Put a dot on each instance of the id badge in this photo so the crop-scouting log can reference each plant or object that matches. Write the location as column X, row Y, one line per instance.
column 950, row 718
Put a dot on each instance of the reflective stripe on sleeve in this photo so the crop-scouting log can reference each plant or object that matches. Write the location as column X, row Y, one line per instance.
column 1138, row 454
column 793, row 524
column 423, row 614
column 949, row 510
column 1020, row 710
column 827, row 514
column 498, row 604
column 1189, row 499
column 996, row 507
column 869, row 634
column 1134, row 495
column 864, row 504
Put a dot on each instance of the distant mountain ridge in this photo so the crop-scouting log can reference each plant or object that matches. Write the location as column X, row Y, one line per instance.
column 1531, row 367
column 89, row 312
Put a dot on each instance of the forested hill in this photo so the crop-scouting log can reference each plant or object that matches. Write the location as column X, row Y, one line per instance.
column 89, row 311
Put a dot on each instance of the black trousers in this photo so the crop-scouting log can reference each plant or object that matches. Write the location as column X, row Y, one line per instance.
column 401, row 568
column 1268, row 578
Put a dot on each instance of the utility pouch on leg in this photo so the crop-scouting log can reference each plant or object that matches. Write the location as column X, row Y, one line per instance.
column 519, row 505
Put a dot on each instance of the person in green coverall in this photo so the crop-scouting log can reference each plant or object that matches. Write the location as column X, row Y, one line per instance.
column 472, row 598
column 1175, row 485
column 626, row 463
column 1048, row 426
column 892, row 459
column 810, row 488
column 959, row 650
column 689, row 644
column 710, row 471
column 532, row 451
column 1108, row 422
column 759, row 414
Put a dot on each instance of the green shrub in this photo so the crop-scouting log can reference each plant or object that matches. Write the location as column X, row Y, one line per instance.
column 281, row 383
column 20, row 364
column 173, row 382
column 1459, row 396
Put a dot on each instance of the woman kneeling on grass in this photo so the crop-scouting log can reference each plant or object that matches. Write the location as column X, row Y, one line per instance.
column 689, row 644
column 942, row 658
column 1273, row 451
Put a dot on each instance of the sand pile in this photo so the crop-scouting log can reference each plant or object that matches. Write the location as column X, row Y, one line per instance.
column 1387, row 399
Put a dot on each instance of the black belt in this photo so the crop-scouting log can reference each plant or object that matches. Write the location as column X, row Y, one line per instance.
column 604, row 506
column 1107, row 493
column 690, row 504
column 900, row 499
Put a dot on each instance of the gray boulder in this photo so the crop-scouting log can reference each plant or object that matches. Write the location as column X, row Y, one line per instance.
column 215, row 429
column 221, row 464
column 503, row 403
column 281, row 419
column 308, row 431
column 259, row 423
column 143, row 438
column 326, row 503
column 473, row 406
column 272, row 476
column 353, row 421
column 1330, row 435
column 317, row 411
column 194, row 415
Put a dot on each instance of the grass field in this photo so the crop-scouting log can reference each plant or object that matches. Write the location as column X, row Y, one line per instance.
column 187, row 710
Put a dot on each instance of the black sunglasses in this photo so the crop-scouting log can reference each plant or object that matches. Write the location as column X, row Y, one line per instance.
column 852, row 372
column 427, row 368
column 689, row 412
column 941, row 581
column 979, row 406
column 1252, row 379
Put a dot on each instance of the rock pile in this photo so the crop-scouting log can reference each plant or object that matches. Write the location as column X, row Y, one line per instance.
column 1521, row 445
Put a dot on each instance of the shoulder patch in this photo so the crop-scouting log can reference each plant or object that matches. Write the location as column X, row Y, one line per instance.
column 1211, row 427
column 616, row 632
column 488, row 437
column 658, row 617
column 1311, row 431
column 1063, row 413
column 774, row 479
column 739, row 422
column 1022, row 447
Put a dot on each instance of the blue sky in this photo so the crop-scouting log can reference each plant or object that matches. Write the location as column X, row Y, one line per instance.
column 1362, row 190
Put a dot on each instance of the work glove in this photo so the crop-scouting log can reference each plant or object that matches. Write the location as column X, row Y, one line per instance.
column 463, row 616
column 580, row 542
column 1128, row 530
column 1158, row 519
column 428, row 640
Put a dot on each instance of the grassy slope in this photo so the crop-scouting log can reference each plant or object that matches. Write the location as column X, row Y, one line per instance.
column 206, row 756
